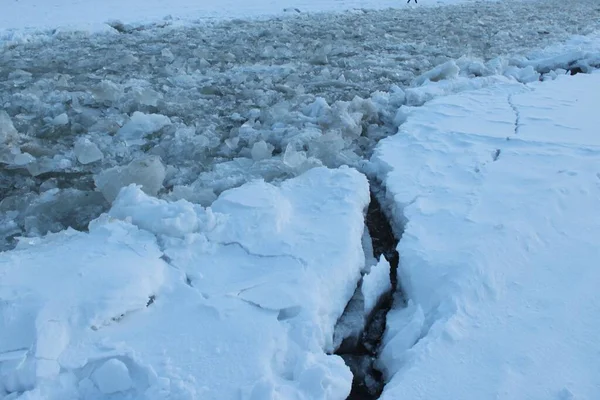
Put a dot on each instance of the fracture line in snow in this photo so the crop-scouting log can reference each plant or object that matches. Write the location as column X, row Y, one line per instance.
column 303, row 262
column 517, row 115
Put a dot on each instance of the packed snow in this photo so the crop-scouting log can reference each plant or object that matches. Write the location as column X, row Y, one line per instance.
column 495, row 190
column 172, row 300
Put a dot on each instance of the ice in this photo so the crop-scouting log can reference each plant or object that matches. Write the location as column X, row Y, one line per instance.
column 23, row 159
column 140, row 125
column 112, row 377
column 95, row 278
column 204, row 197
column 7, row 128
column 493, row 189
column 448, row 70
column 107, row 91
column 210, row 144
column 231, row 313
column 376, row 284
column 203, row 106
column 261, row 150
column 404, row 328
column 159, row 216
column 148, row 172
column 87, row 152
column 60, row 120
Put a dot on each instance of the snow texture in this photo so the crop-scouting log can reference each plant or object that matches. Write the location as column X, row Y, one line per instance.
column 499, row 257
column 172, row 300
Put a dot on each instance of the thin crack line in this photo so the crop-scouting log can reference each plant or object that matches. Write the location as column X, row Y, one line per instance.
column 517, row 125
column 241, row 246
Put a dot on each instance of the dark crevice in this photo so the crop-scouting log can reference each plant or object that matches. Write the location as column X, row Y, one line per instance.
column 360, row 355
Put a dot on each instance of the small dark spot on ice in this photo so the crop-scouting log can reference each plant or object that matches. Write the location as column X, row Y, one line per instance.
column 150, row 300
column 188, row 281
column 496, row 155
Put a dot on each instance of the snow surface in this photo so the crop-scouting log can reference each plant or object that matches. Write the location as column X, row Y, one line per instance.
column 495, row 189
column 172, row 300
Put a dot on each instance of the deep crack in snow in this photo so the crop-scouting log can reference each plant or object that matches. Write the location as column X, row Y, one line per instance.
column 360, row 353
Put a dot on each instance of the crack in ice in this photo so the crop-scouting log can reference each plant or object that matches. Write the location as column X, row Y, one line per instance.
column 517, row 124
column 303, row 262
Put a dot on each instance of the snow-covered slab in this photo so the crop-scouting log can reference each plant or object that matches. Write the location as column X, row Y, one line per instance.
column 497, row 190
column 172, row 300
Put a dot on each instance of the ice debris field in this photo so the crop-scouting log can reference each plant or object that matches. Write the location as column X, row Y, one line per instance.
column 394, row 204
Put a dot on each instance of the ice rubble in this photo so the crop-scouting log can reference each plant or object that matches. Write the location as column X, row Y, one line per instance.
column 225, row 103
column 172, row 300
column 494, row 189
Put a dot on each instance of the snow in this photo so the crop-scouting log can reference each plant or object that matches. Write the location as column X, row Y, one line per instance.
column 172, row 300
column 112, row 377
column 494, row 190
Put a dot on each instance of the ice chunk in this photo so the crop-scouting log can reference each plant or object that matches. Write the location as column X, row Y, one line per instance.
column 53, row 337
column 46, row 164
column 261, row 150
column 403, row 328
column 7, row 129
column 148, row 172
column 523, row 75
column 141, row 125
column 23, row 159
column 56, row 209
column 292, row 158
column 107, row 91
column 204, row 197
column 112, row 377
column 376, row 284
column 87, row 152
column 60, row 120
column 146, row 96
column 447, row 70
column 158, row 216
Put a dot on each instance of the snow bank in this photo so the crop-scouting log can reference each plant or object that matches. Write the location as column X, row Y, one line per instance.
column 59, row 290
column 172, row 300
column 499, row 253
